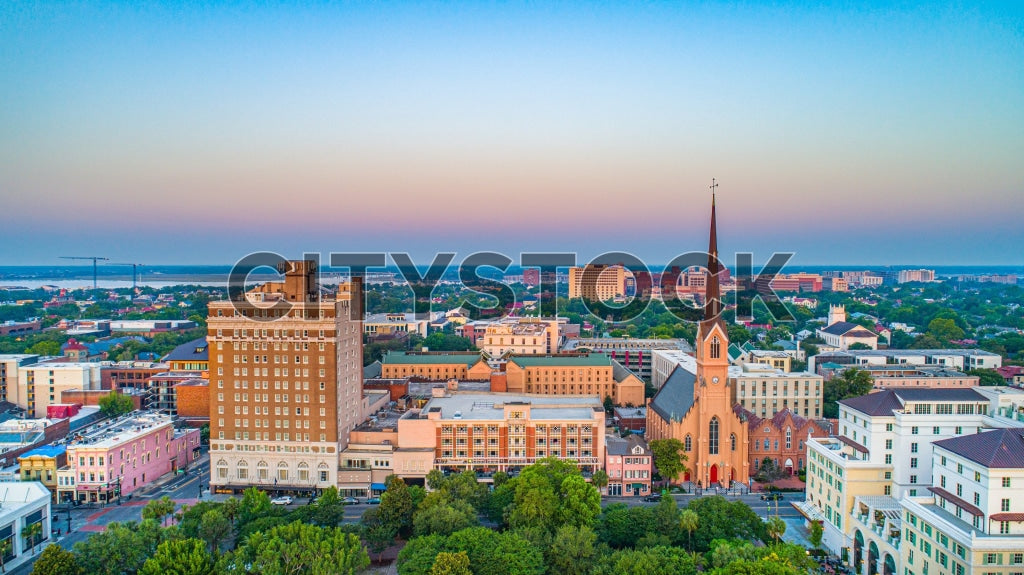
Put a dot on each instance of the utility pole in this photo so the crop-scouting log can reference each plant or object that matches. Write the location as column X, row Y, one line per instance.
column 94, row 260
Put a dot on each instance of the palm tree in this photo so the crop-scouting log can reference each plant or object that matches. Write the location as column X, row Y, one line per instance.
column 689, row 521
column 5, row 548
column 600, row 480
column 775, row 527
column 31, row 532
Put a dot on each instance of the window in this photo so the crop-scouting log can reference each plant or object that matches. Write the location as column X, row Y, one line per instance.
column 1006, row 482
column 913, row 430
column 713, row 436
column 913, row 448
column 716, row 350
column 935, row 430
column 688, row 443
column 888, row 459
column 1004, row 505
column 913, row 462
column 732, row 440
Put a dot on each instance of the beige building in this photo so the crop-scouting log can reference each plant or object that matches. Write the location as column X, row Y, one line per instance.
column 594, row 374
column 597, row 282
column 10, row 367
column 285, row 382
column 492, row 432
column 525, row 336
column 41, row 384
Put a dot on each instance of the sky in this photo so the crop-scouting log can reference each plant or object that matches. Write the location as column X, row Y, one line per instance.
column 197, row 132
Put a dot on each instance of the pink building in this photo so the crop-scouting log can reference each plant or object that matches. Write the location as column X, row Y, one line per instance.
column 117, row 457
column 629, row 464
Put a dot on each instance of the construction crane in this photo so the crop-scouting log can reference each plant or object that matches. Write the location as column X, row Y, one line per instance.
column 135, row 268
column 94, row 260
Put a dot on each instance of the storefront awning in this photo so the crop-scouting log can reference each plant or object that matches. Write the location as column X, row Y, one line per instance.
column 378, row 486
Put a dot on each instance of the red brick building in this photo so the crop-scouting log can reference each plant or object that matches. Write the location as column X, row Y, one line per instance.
column 781, row 438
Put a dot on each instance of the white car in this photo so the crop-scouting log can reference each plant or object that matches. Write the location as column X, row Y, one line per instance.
column 283, row 500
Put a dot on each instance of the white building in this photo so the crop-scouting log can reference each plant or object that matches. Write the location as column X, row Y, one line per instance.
column 23, row 503
column 961, row 359
column 883, row 455
column 973, row 520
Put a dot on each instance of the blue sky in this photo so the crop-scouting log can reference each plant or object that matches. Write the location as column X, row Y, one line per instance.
column 878, row 133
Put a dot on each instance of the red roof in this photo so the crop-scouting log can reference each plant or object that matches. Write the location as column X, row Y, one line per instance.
column 1008, row 517
column 73, row 344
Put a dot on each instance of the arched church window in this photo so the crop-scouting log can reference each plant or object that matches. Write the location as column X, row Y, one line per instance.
column 688, row 443
column 713, row 436
column 716, row 348
column 732, row 441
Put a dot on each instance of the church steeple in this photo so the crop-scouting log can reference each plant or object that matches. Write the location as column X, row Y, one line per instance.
column 713, row 292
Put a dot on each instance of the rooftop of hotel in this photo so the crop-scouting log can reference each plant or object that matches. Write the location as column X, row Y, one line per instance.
column 563, row 360
column 885, row 403
column 125, row 428
column 490, row 406
column 624, row 343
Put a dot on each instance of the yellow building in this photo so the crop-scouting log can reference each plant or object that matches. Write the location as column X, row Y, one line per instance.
column 574, row 374
column 597, row 282
column 41, row 465
column 435, row 365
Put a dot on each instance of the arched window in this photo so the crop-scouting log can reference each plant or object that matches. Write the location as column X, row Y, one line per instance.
column 688, row 443
column 789, row 438
column 262, row 471
column 732, row 440
column 243, row 470
column 713, row 436
column 716, row 348
column 222, row 469
column 282, row 471
column 303, row 471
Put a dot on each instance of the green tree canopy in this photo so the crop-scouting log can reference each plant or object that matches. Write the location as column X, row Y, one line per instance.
column 669, row 457
column 300, row 548
column 179, row 557
column 114, row 404
column 55, row 560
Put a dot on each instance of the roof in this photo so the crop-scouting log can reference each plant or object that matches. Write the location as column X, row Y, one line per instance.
column 563, row 360
column 372, row 371
column 195, row 350
column 462, row 406
column 620, row 373
column 844, row 327
column 431, row 358
column 46, row 451
column 675, row 397
column 624, row 446
column 999, row 448
column 973, row 510
column 880, row 403
column 883, row 403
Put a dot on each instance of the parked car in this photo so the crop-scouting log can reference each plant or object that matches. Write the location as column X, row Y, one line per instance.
column 773, row 496
column 653, row 498
column 283, row 500
column 349, row 500
column 373, row 501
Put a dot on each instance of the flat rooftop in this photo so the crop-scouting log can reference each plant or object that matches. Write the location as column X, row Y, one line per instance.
column 123, row 429
column 490, row 406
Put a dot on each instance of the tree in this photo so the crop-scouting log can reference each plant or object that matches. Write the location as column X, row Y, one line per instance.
column 609, row 404
column 114, row 404
column 600, row 479
column 493, row 553
column 444, row 518
column 987, row 377
column 689, row 521
column 817, row 533
column 579, row 502
column 214, row 528
column 447, row 563
column 121, row 548
column 723, row 519
column 254, row 504
column 45, row 348
column 573, row 550
column 621, row 526
column 300, row 548
column 769, row 471
column 5, row 548
column 666, row 518
column 852, row 382
column 649, row 560
column 55, row 560
column 159, row 509
column 179, row 557
column 396, row 505
column 378, row 534
column 945, row 330
column 669, row 457
column 775, row 527
column 31, row 533
column 435, row 479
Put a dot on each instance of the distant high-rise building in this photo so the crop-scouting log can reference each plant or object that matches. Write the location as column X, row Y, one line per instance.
column 597, row 282
column 906, row 276
column 285, row 382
